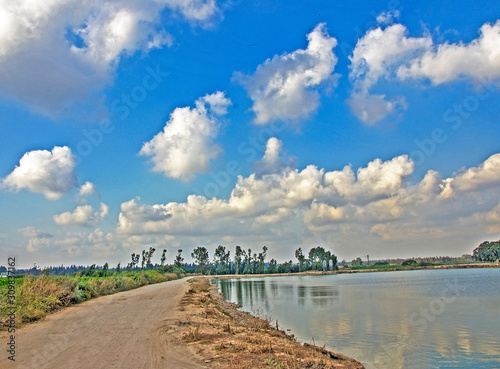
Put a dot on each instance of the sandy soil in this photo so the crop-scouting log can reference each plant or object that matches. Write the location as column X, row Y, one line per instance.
column 228, row 338
column 125, row 330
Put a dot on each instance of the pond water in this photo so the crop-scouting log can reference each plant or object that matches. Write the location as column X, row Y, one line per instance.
column 407, row 319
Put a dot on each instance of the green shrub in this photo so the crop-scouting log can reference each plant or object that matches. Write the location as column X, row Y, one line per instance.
column 409, row 262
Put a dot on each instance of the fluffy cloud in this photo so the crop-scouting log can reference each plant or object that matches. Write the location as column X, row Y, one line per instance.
column 390, row 54
column 377, row 55
column 102, row 244
column 480, row 59
column 115, row 30
column 194, row 10
column 37, row 244
column 285, row 87
column 321, row 213
column 376, row 207
column 37, row 238
column 50, row 173
column 487, row 174
column 32, row 232
column 87, row 189
column 273, row 161
column 74, row 46
column 186, row 144
column 93, row 246
column 493, row 220
column 387, row 17
column 391, row 232
column 374, row 203
column 375, row 180
column 83, row 215
column 371, row 108
column 269, row 199
column 380, row 49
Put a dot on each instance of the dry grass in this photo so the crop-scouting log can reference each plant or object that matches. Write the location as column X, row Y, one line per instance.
column 228, row 338
column 38, row 296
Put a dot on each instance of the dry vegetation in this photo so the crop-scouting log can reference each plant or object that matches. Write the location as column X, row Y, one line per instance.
column 38, row 296
column 228, row 338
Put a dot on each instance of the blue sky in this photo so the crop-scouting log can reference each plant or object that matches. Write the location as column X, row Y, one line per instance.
column 367, row 128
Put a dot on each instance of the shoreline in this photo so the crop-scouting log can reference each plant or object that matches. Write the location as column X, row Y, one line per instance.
column 351, row 271
column 320, row 351
column 226, row 337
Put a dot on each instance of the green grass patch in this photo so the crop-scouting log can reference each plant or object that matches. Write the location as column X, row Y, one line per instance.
column 38, row 296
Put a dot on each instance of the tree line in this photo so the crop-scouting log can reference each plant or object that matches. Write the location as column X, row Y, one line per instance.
column 244, row 262
column 248, row 262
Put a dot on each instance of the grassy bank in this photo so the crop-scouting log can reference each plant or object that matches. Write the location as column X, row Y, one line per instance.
column 38, row 296
column 228, row 338
column 418, row 266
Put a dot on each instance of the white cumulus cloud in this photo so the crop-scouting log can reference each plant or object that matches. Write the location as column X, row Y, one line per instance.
column 270, row 199
column 480, row 177
column 186, row 145
column 388, row 17
column 286, row 86
column 477, row 60
column 390, row 54
column 273, row 160
column 75, row 46
column 102, row 244
column 87, row 189
column 377, row 55
column 50, row 173
column 374, row 204
column 83, row 215
column 37, row 239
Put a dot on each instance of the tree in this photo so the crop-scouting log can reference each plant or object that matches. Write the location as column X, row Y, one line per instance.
column 238, row 253
column 118, row 268
column 248, row 262
column 333, row 261
column 163, row 257
column 135, row 260
column 149, row 255
column 254, row 263
column 262, row 260
column 200, row 254
column 90, row 272
column 487, row 251
column 316, row 256
column 221, row 260
column 179, row 259
column 357, row 262
column 300, row 256
column 273, row 266
column 286, row 267
column 409, row 262
column 104, row 270
column 144, row 256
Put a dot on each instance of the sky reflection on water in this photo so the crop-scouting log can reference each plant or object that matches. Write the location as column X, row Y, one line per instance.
column 413, row 319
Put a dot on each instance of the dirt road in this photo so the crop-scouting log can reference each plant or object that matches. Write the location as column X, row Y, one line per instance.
column 125, row 330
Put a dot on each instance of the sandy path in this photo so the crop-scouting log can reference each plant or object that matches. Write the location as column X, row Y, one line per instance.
column 125, row 330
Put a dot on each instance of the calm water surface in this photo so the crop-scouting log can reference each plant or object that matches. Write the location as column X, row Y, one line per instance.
column 409, row 319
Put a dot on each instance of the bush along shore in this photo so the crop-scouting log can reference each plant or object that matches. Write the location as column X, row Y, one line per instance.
column 38, row 296
column 226, row 337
